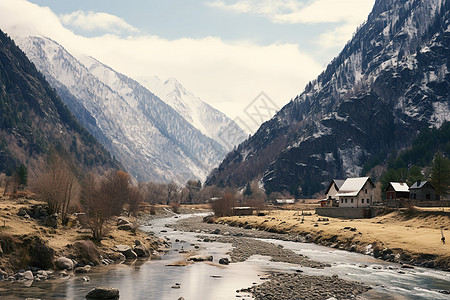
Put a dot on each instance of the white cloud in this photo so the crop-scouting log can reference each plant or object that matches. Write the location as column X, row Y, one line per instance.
column 315, row 11
column 228, row 75
column 92, row 21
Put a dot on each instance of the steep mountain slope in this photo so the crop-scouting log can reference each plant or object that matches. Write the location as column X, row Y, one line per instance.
column 201, row 115
column 150, row 138
column 33, row 119
column 390, row 80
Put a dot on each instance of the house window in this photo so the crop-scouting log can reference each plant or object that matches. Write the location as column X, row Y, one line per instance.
column 351, row 200
column 345, row 200
column 414, row 196
column 362, row 200
column 366, row 191
column 427, row 196
column 342, row 200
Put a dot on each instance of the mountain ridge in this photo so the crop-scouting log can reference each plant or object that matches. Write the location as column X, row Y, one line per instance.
column 34, row 120
column 384, row 86
column 142, row 131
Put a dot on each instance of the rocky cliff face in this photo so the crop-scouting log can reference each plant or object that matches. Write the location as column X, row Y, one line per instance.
column 33, row 119
column 389, row 81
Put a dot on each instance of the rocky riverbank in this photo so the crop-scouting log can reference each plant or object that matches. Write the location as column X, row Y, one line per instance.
column 283, row 286
column 279, row 285
column 34, row 248
column 395, row 237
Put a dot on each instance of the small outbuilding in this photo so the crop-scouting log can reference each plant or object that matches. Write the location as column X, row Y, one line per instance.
column 397, row 190
column 285, row 201
column 332, row 190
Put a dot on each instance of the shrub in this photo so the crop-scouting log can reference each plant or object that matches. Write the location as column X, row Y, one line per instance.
column 175, row 206
column 224, row 206
column 41, row 255
column 7, row 242
column 86, row 252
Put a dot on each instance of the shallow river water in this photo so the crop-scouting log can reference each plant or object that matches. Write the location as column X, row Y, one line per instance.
column 154, row 279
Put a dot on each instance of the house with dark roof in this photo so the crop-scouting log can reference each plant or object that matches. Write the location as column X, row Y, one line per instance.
column 423, row 191
column 397, row 190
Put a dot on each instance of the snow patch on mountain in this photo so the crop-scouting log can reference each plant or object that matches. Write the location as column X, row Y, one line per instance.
column 201, row 115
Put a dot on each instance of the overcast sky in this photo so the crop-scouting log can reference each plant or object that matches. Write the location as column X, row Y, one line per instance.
column 225, row 51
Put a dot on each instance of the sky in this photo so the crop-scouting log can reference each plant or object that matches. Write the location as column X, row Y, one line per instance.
column 227, row 52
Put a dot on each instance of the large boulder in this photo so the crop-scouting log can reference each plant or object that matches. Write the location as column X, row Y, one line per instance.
column 64, row 263
column 141, row 250
column 125, row 250
column 103, row 293
column 28, row 275
column 116, row 256
column 122, row 221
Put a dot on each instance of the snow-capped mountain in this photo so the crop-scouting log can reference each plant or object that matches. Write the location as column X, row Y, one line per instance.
column 148, row 136
column 201, row 115
column 33, row 119
column 391, row 80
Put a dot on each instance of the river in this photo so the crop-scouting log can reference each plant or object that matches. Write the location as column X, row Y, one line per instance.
column 155, row 280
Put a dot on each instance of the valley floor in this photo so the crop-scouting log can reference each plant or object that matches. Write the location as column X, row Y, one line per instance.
column 401, row 236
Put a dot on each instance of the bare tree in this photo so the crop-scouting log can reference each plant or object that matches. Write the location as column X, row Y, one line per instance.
column 224, row 206
column 134, row 201
column 58, row 186
column 172, row 192
column 103, row 200
column 153, row 192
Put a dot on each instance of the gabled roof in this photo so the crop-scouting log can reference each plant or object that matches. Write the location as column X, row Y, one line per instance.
column 399, row 186
column 352, row 186
column 419, row 184
column 337, row 182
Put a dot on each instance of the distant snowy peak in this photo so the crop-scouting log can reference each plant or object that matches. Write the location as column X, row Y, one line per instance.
column 201, row 115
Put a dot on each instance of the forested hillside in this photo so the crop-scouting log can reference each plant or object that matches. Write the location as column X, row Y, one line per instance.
column 33, row 119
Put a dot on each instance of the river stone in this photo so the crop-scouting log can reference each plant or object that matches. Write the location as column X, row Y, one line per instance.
column 201, row 258
column 103, row 293
column 127, row 227
column 3, row 275
column 121, row 248
column 117, row 256
column 122, row 221
column 64, row 263
column 141, row 251
column 125, row 250
column 22, row 212
column 84, row 269
column 28, row 275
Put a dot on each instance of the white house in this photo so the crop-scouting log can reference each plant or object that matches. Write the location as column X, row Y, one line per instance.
column 356, row 192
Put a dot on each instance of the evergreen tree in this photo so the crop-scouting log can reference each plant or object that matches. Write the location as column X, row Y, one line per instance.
column 248, row 190
column 22, row 174
column 440, row 174
column 414, row 175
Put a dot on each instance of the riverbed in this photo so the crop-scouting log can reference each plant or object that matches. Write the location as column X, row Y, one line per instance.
column 153, row 279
